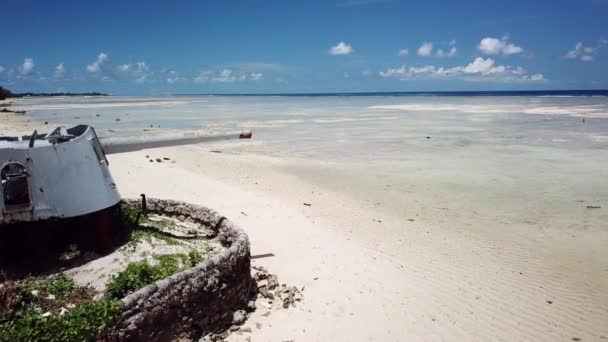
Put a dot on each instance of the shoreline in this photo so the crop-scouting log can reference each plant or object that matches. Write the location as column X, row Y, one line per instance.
column 437, row 264
column 420, row 279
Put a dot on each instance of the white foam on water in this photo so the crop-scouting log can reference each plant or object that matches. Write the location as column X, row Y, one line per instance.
column 337, row 120
column 99, row 105
column 587, row 110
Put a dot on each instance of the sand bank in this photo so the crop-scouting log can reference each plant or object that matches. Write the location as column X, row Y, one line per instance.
column 370, row 272
column 475, row 243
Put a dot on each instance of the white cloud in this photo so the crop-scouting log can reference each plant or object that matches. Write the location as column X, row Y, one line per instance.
column 518, row 71
column 582, row 52
column 404, row 52
column 174, row 77
column 59, row 70
column 96, row 66
column 367, row 73
column 256, row 76
column 450, row 53
column 480, row 68
column 535, row 77
column 341, row 48
column 495, row 46
column 425, row 49
column 28, row 66
column 479, row 65
column 227, row 76
column 139, row 70
column 203, row 77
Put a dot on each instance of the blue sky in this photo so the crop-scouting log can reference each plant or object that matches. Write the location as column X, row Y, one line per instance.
column 261, row 46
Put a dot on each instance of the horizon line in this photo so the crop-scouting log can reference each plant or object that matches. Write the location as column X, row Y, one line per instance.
column 572, row 92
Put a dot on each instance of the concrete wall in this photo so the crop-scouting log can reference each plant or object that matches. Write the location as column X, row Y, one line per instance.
column 199, row 300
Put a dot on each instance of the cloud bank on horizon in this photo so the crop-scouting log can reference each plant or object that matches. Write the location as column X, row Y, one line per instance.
column 338, row 53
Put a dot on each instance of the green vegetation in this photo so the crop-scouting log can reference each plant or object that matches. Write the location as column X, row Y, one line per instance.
column 5, row 94
column 60, row 286
column 55, row 308
column 34, row 309
column 195, row 258
column 83, row 323
column 133, row 217
column 143, row 234
column 143, row 229
column 140, row 274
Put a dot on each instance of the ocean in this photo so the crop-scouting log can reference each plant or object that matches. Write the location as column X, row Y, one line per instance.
column 370, row 126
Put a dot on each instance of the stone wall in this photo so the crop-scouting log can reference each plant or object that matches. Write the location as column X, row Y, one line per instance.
column 199, row 300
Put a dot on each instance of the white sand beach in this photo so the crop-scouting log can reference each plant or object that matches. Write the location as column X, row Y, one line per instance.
column 454, row 240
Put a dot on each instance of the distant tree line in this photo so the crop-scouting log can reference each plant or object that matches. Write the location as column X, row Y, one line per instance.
column 5, row 94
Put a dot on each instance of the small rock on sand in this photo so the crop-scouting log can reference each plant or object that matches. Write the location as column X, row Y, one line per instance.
column 251, row 306
column 273, row 281
column 239, row 317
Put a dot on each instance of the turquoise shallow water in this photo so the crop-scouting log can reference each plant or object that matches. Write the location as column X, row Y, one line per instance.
column 348, row 127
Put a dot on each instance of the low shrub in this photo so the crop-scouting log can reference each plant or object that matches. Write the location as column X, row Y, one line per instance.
column 36, row 309
column 83, row 323
column 140, row 274
column 61, row 286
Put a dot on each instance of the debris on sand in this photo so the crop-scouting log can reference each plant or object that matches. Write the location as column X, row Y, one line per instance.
column 269, row 289
column 4, row 110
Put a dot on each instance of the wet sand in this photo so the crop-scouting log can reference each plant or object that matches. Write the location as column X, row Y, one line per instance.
column 469, row 241
column 425, row 256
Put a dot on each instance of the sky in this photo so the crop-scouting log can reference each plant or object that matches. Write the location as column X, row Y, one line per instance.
column 158, row 47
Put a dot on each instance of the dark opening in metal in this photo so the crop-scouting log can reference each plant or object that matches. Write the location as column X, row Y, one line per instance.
column 15, row 187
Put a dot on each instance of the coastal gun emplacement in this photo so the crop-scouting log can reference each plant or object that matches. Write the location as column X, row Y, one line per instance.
column 65, row 174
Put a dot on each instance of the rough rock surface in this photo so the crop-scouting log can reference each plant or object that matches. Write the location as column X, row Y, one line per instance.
column 200, row 300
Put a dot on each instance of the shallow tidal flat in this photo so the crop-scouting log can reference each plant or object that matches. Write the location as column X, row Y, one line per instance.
column 435, row 218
